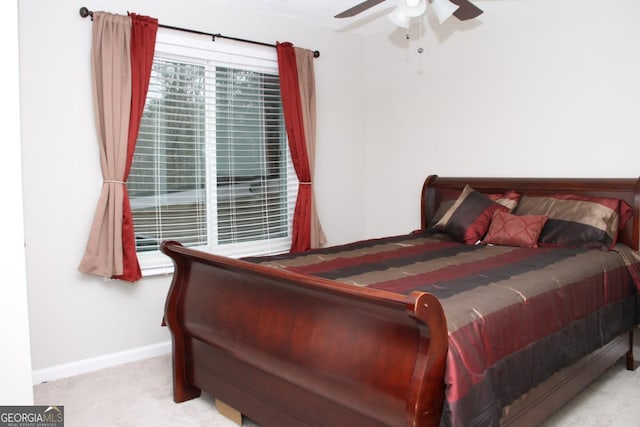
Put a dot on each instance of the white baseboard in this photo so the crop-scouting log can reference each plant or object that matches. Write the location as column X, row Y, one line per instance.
column 93, row 364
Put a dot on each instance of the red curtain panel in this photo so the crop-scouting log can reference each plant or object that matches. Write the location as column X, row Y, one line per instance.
column 292, row 108
column 143, row 41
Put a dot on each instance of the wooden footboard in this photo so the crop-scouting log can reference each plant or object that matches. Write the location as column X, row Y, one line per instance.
column 287, row 349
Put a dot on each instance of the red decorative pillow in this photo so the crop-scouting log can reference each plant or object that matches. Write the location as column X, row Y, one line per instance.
column 578, row 221
column 468, row 219
column 513, row 230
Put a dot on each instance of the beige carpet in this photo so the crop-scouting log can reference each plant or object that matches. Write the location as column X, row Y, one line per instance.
column 139, row 394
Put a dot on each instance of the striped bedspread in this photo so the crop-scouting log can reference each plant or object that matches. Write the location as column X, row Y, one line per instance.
column 515, row 315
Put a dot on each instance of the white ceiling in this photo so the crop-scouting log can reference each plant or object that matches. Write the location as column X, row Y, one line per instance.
column 321, row 13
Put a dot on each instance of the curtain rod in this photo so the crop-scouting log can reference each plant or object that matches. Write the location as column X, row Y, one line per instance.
column 84, row 12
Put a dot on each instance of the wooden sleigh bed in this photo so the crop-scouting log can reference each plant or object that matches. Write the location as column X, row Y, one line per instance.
column 287, row 347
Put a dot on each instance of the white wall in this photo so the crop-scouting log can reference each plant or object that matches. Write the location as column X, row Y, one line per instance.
column 76, row 317
column 15, row 359
column 532, row 88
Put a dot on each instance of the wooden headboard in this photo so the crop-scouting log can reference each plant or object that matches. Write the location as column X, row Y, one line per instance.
column 627, row 189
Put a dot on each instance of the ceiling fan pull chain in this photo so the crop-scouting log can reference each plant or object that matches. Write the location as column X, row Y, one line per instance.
column 421, row 36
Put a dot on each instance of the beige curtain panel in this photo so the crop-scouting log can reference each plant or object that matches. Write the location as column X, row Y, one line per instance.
column 111, row 72
column 307, row 84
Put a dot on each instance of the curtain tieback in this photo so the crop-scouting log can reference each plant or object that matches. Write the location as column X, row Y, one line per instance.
column 304, row 182
column 113, row 181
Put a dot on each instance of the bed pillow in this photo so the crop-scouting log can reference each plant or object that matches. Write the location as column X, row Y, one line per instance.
column 515, row 230
column 468, row 219
column 447, row 199
column 508, row 199
column 578, row 221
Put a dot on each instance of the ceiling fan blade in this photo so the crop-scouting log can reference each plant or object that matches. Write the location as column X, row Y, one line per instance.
column 361, row 7
column 467, row 10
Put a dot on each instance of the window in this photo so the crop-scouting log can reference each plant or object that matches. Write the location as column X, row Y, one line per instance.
column 211, row 167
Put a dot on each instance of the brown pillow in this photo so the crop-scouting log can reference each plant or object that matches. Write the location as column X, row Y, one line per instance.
column 515, row 230
column 578, row 221
column 468, row 219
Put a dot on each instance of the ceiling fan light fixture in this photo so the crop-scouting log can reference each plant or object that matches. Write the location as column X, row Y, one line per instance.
column 399, row 17
column 407, row 9
column 443, row 9
column 414, row 8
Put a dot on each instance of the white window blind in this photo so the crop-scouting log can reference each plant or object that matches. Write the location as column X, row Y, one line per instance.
column 211, row 166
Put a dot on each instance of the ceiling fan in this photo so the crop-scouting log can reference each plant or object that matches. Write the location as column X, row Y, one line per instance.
column 407, row 9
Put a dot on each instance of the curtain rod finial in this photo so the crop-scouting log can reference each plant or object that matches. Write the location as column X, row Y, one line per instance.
column 316, row 54
column 84, row 12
